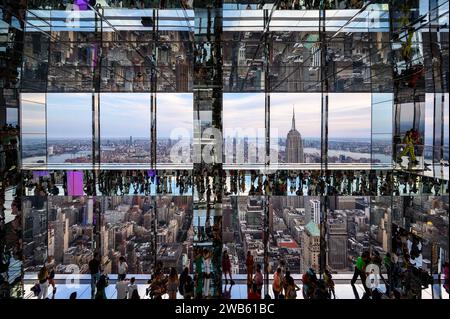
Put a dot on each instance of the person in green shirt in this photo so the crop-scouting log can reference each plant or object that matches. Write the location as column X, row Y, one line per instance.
column 360, row 269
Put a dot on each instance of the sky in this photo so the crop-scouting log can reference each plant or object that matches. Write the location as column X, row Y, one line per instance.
column 349, row 113
column 128, row 114
column 121, row 114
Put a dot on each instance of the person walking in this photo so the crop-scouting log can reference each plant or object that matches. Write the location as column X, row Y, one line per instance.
column 328, row 279
column 122, row 268
column 360, row 270
column 50, row 265
column 172, row 283
column 95, row 270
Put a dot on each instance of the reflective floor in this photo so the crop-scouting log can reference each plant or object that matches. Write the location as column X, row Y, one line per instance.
column 238, row 291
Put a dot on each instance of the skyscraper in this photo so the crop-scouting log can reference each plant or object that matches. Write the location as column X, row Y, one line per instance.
column 337, row 242
column 313, row 211
column 311, row 247
column 294, row 144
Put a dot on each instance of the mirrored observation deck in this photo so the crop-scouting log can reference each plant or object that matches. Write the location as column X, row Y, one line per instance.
column 223, row 140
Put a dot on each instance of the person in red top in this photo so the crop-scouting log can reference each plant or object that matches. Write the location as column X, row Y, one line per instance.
column 277, row 283
column 226, row 267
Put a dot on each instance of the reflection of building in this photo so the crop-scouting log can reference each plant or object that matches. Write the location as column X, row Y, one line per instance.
column 254, row 213
column 61, row 229
column 170, row 255
column 294, row 144
column 311, row 247
column 313, row 213
column 227, row 219
column 337, row 242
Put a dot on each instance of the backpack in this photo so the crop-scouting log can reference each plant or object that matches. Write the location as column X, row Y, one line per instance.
column 36, row 289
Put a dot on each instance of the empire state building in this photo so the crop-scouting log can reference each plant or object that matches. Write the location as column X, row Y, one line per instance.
column 294, row 144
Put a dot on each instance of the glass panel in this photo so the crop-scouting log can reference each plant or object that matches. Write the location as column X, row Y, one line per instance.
column 295, row 127
column 243, row 128
column 174, row 128
column 69, row 128
column 349, row 125
column 33, row 128
column 125, row 128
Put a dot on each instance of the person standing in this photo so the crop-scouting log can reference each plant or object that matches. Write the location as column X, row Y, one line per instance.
column 226, row 267
column 101, row 285
column 122, row 268
column 249, row 263
column 291, row 288
column 172, row 283
column 43, row 283
column 188, row 289
column 258, row 279
column 94, row 269
column 183, row 279
column 132, row 287
column 122, row 289
column 277, row 286
column 206, row 272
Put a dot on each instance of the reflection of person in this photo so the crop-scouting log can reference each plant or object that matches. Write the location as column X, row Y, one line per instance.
column 410, row 140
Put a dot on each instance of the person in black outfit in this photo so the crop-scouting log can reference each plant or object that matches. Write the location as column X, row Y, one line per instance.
column 94, row 269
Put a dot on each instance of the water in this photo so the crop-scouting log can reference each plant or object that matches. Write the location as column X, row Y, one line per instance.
column 61, row 158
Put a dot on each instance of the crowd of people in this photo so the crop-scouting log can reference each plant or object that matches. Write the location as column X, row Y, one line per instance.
column 392, row 276
column 208, row 184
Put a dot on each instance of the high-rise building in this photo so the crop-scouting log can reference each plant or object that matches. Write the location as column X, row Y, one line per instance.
column 337, row 242
column 313, row 211
column 311, row 247
column 294, row 144
column 61, row 231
